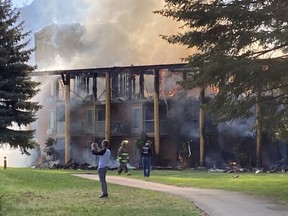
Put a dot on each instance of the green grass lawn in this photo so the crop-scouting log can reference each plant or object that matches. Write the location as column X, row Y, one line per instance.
column 36, row 192
column 274, row 186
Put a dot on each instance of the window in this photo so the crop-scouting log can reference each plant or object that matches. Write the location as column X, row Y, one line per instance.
column 52, row 119
column 90, row 118
column 136, row 118
column 149, row 112
column 60, row 114
column 101, row 115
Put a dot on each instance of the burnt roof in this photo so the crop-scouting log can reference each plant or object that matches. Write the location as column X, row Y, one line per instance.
column 140, row 69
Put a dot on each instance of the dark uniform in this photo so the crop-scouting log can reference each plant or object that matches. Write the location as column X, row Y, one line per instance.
column 123, row 158
column 146, row 154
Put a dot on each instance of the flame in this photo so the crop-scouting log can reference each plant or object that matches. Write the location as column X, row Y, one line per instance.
column 214, row 89
column 168, row 83
column 171, row 93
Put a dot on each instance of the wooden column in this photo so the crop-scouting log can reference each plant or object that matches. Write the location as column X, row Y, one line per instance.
column 67, row 120
column 108, row 108
column 258, row 131
column 202, row 127
column 156, row 117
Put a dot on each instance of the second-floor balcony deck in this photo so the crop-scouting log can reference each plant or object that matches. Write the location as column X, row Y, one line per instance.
column 118, row 128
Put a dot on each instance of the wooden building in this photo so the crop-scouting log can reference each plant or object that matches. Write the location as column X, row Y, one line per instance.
column 83, row 105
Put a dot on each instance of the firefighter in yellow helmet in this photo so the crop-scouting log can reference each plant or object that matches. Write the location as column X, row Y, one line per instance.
column 123, row 158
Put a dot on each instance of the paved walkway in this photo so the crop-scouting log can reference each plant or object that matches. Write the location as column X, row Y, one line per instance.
column 212, row 202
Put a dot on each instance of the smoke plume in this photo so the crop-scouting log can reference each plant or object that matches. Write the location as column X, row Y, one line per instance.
column 116, row 33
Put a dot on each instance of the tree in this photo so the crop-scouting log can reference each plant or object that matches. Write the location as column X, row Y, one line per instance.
column 140, row 142
column 17, row 111
column 242, row 51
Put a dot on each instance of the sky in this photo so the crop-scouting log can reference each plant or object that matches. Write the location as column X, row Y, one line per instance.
column 21, row 3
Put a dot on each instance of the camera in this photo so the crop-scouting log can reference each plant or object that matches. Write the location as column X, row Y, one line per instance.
column 94, row 146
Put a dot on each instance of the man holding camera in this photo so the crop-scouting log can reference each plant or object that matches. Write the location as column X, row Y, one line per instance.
column 103, row 163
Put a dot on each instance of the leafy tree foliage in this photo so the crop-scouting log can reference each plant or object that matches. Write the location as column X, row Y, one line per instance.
column 242, row 51
column 140, row 142
column 16, row 86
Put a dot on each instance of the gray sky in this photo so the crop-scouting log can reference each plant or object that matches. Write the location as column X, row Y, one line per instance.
column 21, row 3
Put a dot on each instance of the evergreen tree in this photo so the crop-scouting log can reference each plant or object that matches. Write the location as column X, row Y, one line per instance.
column 17, row 111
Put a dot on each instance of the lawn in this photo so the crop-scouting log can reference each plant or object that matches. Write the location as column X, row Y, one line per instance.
column 36, row 192
column 271, row 185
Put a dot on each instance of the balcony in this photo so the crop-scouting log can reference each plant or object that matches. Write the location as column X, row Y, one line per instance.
column 148, row 126
column 77, row 129
column 117, row 128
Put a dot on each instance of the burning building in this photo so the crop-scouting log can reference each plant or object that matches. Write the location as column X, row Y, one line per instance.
column 76, row 111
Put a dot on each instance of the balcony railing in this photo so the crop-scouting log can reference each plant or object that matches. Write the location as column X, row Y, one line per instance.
column 148, row 126
column 75, row 129
column 117, row 128
column 100, row 128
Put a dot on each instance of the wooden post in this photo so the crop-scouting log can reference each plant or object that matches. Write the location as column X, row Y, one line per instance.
column 258, row 131
column 67, row 120
column 5, row 163
column 202, row 127
column 108, row 108
column 156, row 117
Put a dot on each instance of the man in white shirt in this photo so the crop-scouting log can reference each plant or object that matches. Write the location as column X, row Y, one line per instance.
column 103, row 163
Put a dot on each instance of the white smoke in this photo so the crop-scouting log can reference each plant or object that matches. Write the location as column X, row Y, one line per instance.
column 116, row 33
column 15, row 158
column 238, row 128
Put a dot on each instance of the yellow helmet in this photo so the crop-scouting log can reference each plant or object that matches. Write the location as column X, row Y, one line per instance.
column 124, row 142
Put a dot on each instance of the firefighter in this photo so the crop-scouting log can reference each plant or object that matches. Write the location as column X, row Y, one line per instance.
column 123, row 158
column 146, row 154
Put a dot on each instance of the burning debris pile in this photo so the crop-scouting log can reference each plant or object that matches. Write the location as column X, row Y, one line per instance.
column 231, row 167
column 73, row 165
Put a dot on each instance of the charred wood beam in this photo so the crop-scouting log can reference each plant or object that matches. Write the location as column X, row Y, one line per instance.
column 64, row 79
column 144, row 69
column 129, row 85
column 133, row 79
column 94, row 87
column 141, row 85
column 87, row 86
